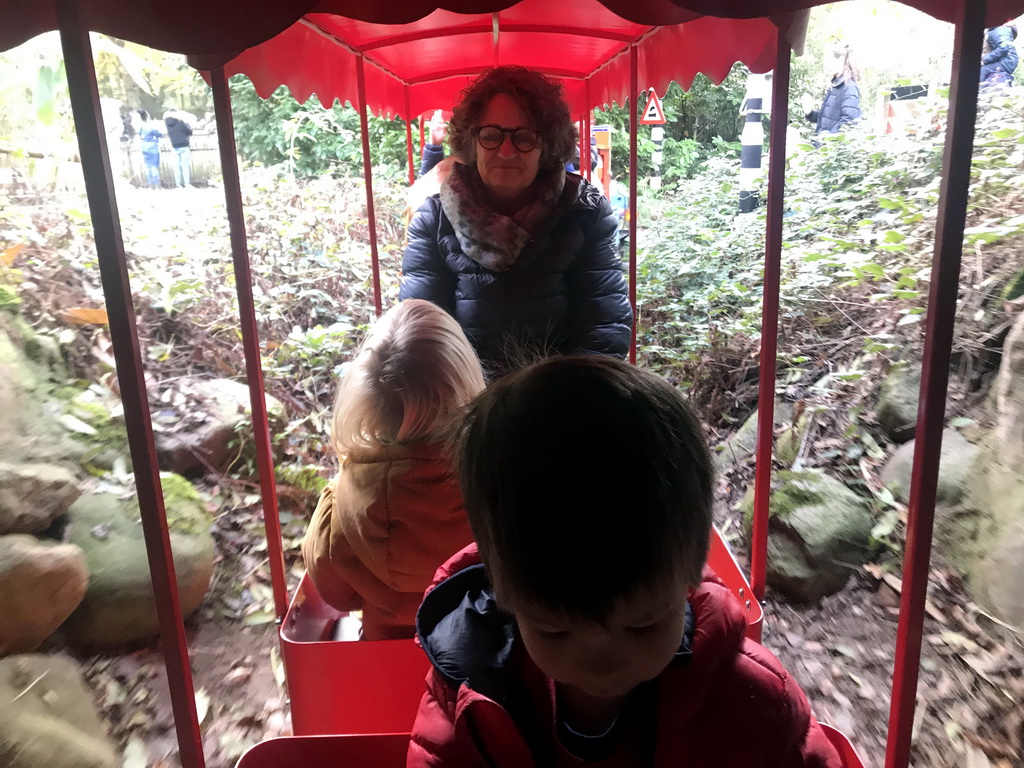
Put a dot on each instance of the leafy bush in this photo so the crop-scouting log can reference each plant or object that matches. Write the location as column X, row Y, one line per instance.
column 310, row 139
column 858, row 238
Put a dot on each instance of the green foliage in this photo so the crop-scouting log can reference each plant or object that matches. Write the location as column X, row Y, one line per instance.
column 858, row 237
column 703, row 121
column 310, row 139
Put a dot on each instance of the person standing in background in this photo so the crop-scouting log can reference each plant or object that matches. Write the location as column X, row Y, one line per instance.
column 149, row 135
column 841, row 107
column 1000, row 59
column 178, row 132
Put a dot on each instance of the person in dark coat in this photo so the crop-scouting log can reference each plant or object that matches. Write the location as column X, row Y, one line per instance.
column 841, row 107
column 520, row 252
column 178, row 132
column 583, row 628
column 433, row 152
column 1000, row 60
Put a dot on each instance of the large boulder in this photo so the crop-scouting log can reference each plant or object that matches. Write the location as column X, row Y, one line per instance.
column 819, row 531
column 897, row 402
column 32, row 496
column 744, row 440
column 996, row 492
column 954, row 466
column 48, row 718
column 41, row 583
column 30, row 430
column 118, row 607
column 221, row 435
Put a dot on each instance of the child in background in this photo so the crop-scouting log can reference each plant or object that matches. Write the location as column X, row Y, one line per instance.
column 394, row 512
column 592, row 634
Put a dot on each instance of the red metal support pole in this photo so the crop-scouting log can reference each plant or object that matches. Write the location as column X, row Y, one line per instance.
column 368, row 178
column 634, row 89
column 942, row 298
column 770, row 318
column 250, row 337
column 408, row 138
column 117, row 294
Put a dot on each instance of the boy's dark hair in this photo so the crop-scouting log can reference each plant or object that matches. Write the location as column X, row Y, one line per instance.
column 586, row 480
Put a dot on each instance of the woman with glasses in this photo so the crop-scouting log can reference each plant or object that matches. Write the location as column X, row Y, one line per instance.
column 520, row 252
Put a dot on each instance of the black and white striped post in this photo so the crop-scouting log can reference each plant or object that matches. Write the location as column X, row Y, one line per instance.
column 657, row 156
column 752, row 138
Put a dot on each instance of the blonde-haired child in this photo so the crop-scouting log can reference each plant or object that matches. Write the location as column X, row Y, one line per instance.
column 394, row 512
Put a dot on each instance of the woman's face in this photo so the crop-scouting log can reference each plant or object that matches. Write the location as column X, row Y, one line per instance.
column 506, row 171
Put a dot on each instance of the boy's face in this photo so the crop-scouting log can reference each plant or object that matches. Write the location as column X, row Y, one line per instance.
column 605, row 661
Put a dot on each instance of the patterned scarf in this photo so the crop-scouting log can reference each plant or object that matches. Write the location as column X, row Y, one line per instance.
column 489, row 238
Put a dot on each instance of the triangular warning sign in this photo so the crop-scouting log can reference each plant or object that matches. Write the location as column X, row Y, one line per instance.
column 653, row 113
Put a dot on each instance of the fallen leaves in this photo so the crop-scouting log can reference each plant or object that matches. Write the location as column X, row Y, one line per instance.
column 85, row 316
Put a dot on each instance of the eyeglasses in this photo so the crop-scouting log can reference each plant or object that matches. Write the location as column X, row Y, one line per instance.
column 493, row 136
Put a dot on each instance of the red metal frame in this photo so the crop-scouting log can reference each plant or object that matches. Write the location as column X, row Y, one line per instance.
column 939, row 328
column 368, row 179
column 250, row 337
column 408, row 140
column 945, row 283
column 634, row 90
column 117, row 294
column 770, row 319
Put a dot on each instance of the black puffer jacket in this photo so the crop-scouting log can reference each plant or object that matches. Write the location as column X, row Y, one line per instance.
column 840, row 108
column 565, row 293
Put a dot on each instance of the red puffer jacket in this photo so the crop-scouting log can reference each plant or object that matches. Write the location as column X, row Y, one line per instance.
column 723, row 702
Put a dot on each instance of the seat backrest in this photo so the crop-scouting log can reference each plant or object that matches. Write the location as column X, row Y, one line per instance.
column 362, row 751
column 346, row 687
column 842, row 744
column 375, row 687
column 722, row 562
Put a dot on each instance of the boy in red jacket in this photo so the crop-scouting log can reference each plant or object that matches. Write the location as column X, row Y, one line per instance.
column 592, row 634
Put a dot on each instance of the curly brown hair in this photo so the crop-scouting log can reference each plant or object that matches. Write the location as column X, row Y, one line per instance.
column 539, row 97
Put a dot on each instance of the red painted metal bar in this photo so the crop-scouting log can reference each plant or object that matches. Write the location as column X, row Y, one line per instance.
column 580, row 135
column 770, row 318
column 634, row 89
column 368, row 178
column 408, row 138
column 117, row 294
column 942, row 298
column 585, row 159
column 250, row 338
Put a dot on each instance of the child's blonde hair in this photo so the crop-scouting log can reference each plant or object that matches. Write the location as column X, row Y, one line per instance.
column 413, row 370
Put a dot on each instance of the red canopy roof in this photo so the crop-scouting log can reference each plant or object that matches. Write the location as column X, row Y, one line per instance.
column 427, row 51
column 430, row 60
column 225, row 27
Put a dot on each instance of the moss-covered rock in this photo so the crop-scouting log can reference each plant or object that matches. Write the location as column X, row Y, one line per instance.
column 1014, row 287
column 819, row 531
column 996, row 493
column 744, row 440
column 48, row 718
column 118, row 607
column 30, row 430
column 897, row 402
column 954, row 465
